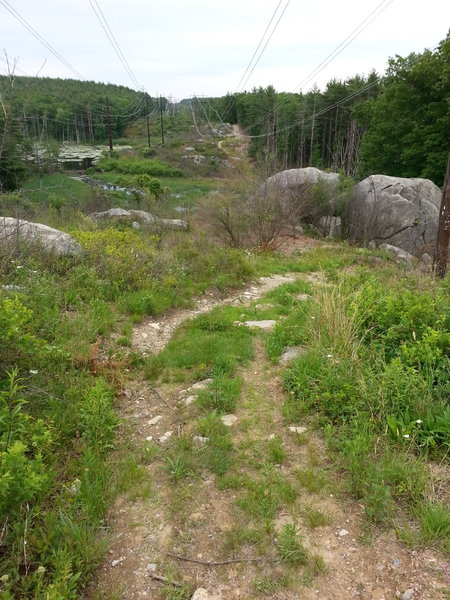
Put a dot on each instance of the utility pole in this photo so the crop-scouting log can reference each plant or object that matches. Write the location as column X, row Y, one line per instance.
column 162, row 119
column 108, row 123
column 443, row 236
column 148, row 122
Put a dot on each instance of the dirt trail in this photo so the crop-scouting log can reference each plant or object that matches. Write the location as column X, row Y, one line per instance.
column 196, row 519
column 154, row 334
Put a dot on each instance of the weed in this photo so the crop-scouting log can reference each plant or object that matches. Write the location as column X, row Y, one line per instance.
column 314, row 480
column 277, row 453
column 290, row 548
column 221, row 395
column 177, row 467
column 434, row 519
column 315, row 517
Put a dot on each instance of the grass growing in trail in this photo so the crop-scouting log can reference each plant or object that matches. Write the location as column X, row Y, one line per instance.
column 209, row 346
column 222, row 395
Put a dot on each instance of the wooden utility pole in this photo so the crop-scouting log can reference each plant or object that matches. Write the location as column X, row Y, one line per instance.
column 161, row 119
column 443, row 236
column 108, row 123
column 148, row 122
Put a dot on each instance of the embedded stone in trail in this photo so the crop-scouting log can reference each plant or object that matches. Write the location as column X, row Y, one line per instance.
column 203, row 594
column 155, row 420
column 265, row 325
column 228, row 420
column 291, row 353
column 297, row 429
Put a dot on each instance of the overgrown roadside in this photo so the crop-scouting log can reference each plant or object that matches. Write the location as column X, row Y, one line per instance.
column 260, row 494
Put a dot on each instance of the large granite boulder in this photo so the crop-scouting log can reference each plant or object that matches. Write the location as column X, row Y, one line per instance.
column 16, row 231
column 303, row 194
column 137, row 216
column 397, row 211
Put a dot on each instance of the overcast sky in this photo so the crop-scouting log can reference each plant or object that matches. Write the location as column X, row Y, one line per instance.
column 202, row 47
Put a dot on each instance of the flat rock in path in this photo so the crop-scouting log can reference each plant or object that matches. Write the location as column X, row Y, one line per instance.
column 228, row 420
column 165, row 437
column 297, row 429
column 265, row 325
column 203, row 594
column 199, row 385
column 291, row 353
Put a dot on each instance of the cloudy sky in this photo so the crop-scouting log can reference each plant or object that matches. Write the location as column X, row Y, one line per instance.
column 202, row 47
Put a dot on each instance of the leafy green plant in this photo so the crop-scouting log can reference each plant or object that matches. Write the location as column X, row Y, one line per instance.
column 24, row 447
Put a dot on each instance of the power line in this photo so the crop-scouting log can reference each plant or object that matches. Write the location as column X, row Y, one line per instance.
column 55, row 53
column 112, row 40
column 376, row 12
column 259, row 44
column 265, row 45
column 227, row 108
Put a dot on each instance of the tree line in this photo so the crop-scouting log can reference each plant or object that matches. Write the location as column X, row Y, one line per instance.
column 397, row 124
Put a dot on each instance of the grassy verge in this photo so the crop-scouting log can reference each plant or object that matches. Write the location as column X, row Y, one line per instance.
column 376, row 379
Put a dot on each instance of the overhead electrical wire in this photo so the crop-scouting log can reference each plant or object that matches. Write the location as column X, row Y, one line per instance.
column 259, row 44
column 227, row 108
column 374, row 14
column 113, row 41
column 267, row 41
column 31, row 29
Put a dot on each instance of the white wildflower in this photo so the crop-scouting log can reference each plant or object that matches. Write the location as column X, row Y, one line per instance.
column 419, row 421
column 406, row 436
column 19, row 266
column 33, row 372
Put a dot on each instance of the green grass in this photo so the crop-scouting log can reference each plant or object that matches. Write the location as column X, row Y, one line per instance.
column 290, row 548
column 209, row 346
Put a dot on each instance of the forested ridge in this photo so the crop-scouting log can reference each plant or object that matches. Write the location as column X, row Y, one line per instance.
column 70, row 110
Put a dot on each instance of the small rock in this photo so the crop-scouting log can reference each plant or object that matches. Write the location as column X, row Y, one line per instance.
column 228, row 420
column 200, row 385
column 396, row 563
column 149, row 438
column 343, row 533
column 203, row 594
column 271, row 436
column 165, row 437
column 291, row 353
column 298, row 429
column 190, row 399
column 200, row 441
column 302, row 297
column 114, row 563
column 265, row 325
column 151, row 567
column 408, row 594
column 155, row 420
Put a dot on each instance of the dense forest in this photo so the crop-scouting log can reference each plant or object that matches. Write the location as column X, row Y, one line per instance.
column 397, row 124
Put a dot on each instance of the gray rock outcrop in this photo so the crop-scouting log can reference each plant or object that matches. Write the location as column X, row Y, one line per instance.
column 17, row 231
column 297, row 180
column 137, row 216
column 302, row 194
column 397, row 211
